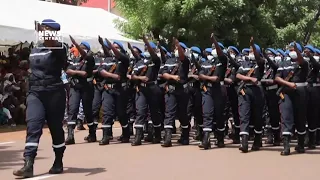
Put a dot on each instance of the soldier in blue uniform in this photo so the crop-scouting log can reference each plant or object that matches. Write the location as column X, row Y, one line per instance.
column 292, row 75
column 81, row 74
column 148, row 93
column 115, row 96
column 195, row 104
column 273, row 132
column 45, row 101
column 177, row 97
column 251, row 97
column 313, row 80
column 317, row 57
column 213, row 96
column 231, row 83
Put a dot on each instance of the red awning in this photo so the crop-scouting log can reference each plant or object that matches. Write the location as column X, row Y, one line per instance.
column 99, row 4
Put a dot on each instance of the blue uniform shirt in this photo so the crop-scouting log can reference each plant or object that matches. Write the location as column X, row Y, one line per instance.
column 300, row 71
column 220, row 65
column 46, row 66
column 86, row 65
column 247, row 65
column 182, row 72
column 314, row 75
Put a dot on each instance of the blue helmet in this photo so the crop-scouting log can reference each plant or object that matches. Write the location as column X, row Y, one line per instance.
column 195, row 49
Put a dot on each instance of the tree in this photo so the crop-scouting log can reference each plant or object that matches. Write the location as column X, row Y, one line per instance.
column 273, row 23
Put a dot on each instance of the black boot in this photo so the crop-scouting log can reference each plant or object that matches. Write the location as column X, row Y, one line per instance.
column 300, row 147
column 286, row 145
column 57, row 167
column 131, row 128
column 92, row 137
column 318, row 137
column 27, row 170
column 110, row 134
column 145, row 129
column 312, row 140
column 244, row 143
column 269, row 134
column 125, row 136
column 251, row 134
column 257, row 143
column 167, row 138
column 70, row 137
column 184, row 138
column 306, row 139
column 138, row 137
column 80, row 125
column 205, row 144
column 236, row 136
column 174, row 130
column 276, row 137
column 199, row 134
column 105, row 137
column 157, row 135
column 220, row 139
column 149, row 137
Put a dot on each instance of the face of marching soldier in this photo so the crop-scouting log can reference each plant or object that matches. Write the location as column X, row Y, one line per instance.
column 292, row 53
column 115, row 45
column 270, row 55
column 278, row 57
column 136, row 51
column 307, row 52
column 232, row 53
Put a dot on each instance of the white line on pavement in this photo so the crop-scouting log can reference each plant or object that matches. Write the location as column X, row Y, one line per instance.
column 4, row 143
column 41, row 177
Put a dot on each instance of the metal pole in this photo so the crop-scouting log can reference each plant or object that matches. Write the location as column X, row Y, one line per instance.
column 109, row 5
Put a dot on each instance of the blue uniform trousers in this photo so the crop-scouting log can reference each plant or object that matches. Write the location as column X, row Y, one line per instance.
column 96, row 104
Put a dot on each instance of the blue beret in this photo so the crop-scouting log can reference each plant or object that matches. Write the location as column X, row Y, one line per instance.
column 258, row 49
column 169, row 54
column 183, row 45
column 51, row 23
column 196, row 49
column 234, row 49
column 119, row 44
column 287, row 52
column 140, row 51
column 86, row 44
column 311, row 48
column 272, row 51
column 221, row 45
column 164, row 49
column 208, row 50
column 281, row 52
column 245, row 50
column 298, row 46
column 317, row 51
column 153, row 45
column 106, row 44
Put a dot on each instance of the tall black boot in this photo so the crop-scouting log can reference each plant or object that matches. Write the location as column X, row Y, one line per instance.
column 105, row 137
column 149, row 137
column 138, row 137
column 157, row 135
column 306, row 139
column 257, row 143
column 251, row 134
column 92, row 137
column 220, row 139
column 276, row 137
column 184, row 138
column 286, row 145
column 312, row 140
column 125, row 136
column 318, row 137
column 80, row 126
column 70, row 137
column 300, row 147
column 269, row 134
column 199, row 134
column 205, row 144
column 57, row 167
column 174, row 130
column 236, row 136
column 27, row 170
column 145, row 129
column 167, row 138
column 244, row 143
column 110, row 134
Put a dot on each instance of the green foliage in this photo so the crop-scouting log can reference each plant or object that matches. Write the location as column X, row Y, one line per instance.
column 273, row 23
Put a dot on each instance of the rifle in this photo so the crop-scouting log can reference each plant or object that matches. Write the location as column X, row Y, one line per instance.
column 213, row 68
column 111, row 70
column 228, row 72
column 279, row 92
column 94, row 79
column 142, row 73
column 267, row 74
column 176, row 68
column 240, row 89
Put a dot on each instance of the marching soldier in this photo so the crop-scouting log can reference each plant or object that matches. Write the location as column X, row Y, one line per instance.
column 292, row 75
column 251, row 99
column 213, row 96
column 317, row 57
column 176, row 98
column 81, row 89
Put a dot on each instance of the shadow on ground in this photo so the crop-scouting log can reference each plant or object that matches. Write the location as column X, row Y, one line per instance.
column 87, row 171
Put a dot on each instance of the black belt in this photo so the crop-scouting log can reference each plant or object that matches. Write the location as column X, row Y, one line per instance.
column 45, row 82
column 114, row 85
column 147, row 84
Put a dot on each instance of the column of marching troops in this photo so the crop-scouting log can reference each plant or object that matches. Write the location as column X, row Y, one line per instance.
column 272, row 89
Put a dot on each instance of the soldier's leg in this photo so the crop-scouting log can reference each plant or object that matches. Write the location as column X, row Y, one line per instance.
column 183, row 99
column 313, row 115
column 121, row 105
column 233, row 97
column 220, row 98
column 257, row 111
column 274, row 115
column 198, row 114
column 169, row 119
column 300, row 114
column 108, row 115
column 87, row 98
column 96, row 105
column 153, row 99
column 208, row 112
column 142, row 110
column 74, row 103
column 80, row 117
column 245, row 117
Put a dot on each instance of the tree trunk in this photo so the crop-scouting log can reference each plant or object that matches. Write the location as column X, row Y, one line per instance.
column 308, row 33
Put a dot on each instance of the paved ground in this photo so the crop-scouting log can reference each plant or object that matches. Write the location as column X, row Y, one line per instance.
column 123, row 162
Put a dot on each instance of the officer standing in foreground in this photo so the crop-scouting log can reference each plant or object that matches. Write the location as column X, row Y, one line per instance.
column 46, row 100
column 148, row 93
column 213, row 96
column 251, row 98
column 292, row 75
column 176, row 98
column 115, row 96
column 81, row 89
column 317, row 57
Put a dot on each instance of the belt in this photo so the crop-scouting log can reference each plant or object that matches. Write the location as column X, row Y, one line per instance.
column 316, row 84
column 148, row 83
column 46, row 82
column 272, row 87
column 213, row 84
column 172, row 87
column 221, row 83
column 89, row 79
column 113, row 85
column 301, row 84
column 251, row 84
